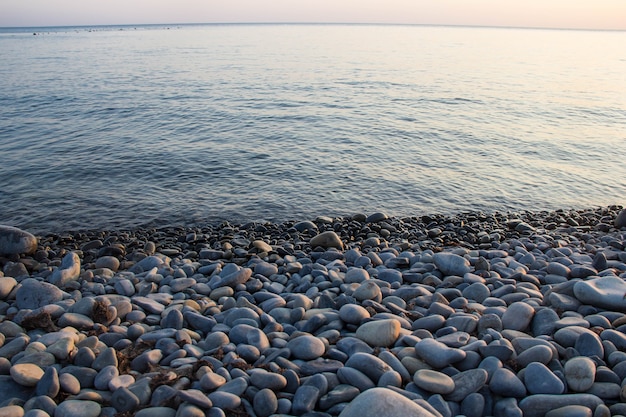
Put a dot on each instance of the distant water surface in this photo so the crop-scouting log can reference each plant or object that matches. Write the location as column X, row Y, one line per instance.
column 111, row 127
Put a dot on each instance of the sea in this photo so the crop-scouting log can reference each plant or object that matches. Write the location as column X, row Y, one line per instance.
column 117, row 127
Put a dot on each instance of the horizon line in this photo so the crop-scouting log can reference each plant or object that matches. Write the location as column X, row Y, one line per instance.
column 319, row 24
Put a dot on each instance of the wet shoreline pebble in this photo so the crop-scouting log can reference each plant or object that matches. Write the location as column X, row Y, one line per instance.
column 474, row 314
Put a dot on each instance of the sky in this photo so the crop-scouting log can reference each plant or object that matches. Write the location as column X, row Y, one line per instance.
column 577, row 14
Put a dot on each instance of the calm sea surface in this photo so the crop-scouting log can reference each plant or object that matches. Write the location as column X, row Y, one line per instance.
column 120, row 126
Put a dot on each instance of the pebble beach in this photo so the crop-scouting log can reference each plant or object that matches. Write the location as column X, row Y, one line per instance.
column 473, row 314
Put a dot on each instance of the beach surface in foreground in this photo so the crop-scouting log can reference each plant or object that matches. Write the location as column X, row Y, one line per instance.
column 475, row 314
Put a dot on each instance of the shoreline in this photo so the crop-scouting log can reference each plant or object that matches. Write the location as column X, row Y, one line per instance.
column 461, row 313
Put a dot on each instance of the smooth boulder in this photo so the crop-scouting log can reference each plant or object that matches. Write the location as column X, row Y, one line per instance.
column 14, row 241
column 378, row 402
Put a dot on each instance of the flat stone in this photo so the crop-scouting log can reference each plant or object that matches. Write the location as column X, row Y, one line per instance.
column 518, row 316
column 195, row 397
column 570, row 411
column 505, row 383
column 433, row 381
column 538, row 405
column 76, row 408
column 26, row 374
column 605, row 292
column 379, row 333
column 378, row 402
column 353, row 313
column 263, row 379
column 14, row 241
column 224, row 400
column 539, row 353
column 306, row 347
column 265, row 403
column 370, row 365
column 466, row 383
column 356, row 378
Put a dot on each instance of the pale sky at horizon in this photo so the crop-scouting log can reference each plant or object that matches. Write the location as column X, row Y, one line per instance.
column 578, row 14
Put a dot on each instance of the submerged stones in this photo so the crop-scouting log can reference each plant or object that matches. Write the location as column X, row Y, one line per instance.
column 467, row 315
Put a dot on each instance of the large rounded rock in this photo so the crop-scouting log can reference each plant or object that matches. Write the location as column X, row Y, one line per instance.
column 33, row 294
column 451, row 264
column 327, row 239
column 379, row 333
column 606, row 292
column 14, row 241
column 306, row 347
column 580, row 373
column 378, row 402
column 518, row 316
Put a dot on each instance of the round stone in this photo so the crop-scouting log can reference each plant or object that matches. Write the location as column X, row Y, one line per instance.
column 353, row 313
column 76, row 408
column 26, row 374
column 580, row 373
column 518, row 316
column 433, row 381
column 265, row 403
column 306, row 347
column 451, row 264
column 379, row 333
column 378, row 402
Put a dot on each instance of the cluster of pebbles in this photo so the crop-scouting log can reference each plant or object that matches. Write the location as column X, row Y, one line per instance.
column 475, row 314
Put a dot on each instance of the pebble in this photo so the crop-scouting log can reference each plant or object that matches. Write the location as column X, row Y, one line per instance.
column 518, row 316
column 539, row 379
column 26, row 374
column 580, row 373
column 433, row 381
column 451, row 264
column 306, row 347
column 76, row 408
column 379, row 333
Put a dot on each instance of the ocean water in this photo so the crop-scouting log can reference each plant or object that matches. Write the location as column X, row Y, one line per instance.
column 117, row 127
